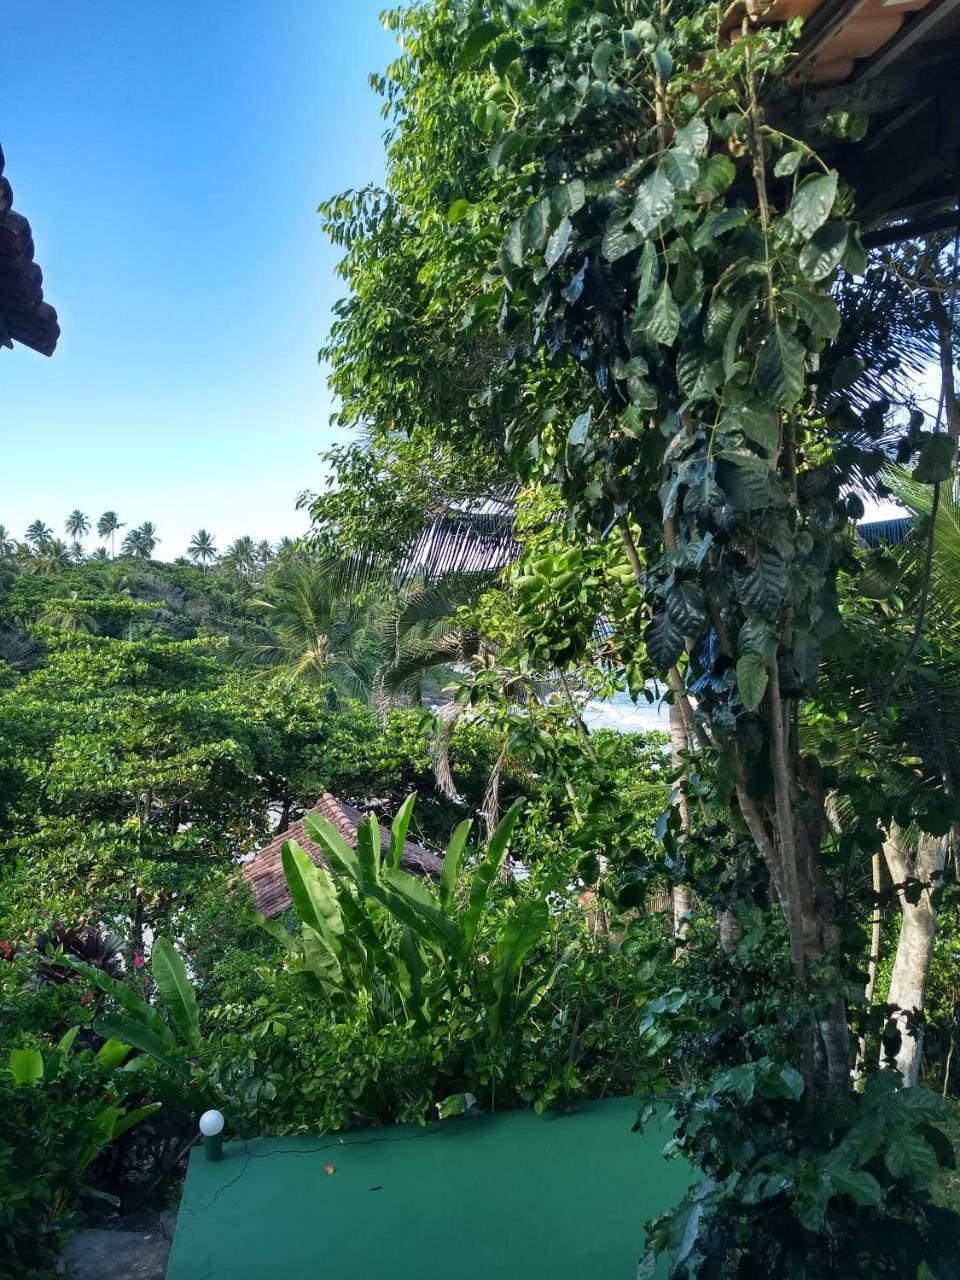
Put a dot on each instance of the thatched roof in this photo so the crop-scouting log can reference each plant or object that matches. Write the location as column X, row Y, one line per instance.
column 264, row 872
column 24, row 316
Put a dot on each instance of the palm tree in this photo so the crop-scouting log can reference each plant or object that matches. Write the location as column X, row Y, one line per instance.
column 142, row 541
column 7, row 544
column 76, row 524
column 241, row 556
column 265, row 555
column 107, row 527
column 69, row 614
column 52, row 556
column 99, row 554
column 76, row 552
column 38, row 533
column 318, row 626
column 202, row 549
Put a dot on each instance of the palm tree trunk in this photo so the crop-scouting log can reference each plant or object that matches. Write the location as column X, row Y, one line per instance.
column 874, row 961
column 679, row 744
column 911, row 965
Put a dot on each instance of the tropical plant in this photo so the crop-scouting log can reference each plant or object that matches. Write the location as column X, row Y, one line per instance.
column 107, row 527
column 317, row 626
column 76, row 524
column 8, row 544
column 142, row 541
column 369, row 928
column 202, row 549
column 87, row 943
column 38, row 533
column 241, row 556
column 59, row 1109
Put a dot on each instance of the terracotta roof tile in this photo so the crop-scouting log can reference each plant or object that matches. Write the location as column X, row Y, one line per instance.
column 264, row 872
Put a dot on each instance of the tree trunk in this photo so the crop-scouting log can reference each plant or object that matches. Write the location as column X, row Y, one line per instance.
column 911, row 965
column 729, row 930
column 874, row 960
column 679, row 745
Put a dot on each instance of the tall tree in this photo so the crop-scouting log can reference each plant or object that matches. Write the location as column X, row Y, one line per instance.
column 76, row 524
column 142, row 541
column 202, row 549
column 107, row 527
column 38, row 533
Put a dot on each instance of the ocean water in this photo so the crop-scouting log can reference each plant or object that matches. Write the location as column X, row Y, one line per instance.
column 620, row 712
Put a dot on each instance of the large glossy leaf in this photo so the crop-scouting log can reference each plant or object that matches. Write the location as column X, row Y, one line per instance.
column 477, row 40
column 909, row 1155
column 823, row 251
column 663, row 640
column 398, row 830
column 312, row 890
column 369, row 850
column 127, row 999
column 450, row 871
column 170, row 975
column 744, row 479
column 326, row 835
column 821, row 315
column 25, row 1065
column 522, row 929
column 664, row 322
column 654, row 200
column 484, row 876
column 681, row 168
column 558, row 242
column 752, row 679
column 813, row 201
column 763, row 587
column 134, row 1033
column 780, row 365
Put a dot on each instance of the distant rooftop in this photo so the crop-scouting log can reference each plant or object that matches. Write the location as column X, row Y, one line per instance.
column 264, row 872
column 24, row 316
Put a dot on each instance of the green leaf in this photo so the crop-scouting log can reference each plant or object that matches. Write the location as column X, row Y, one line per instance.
column 618, row 241
column 757, row 636
column 450, row 870
column 879, row 576
column 821, row 315
column 580, row 428
column 663, row 640
column 937, row 460
column 369, row 850
column 823, row 251
column 170, row 975
column 854, row 255
column 693, row 137
column 733, row 336
column 398, row 830
column 908, row 1155
column 134, row 1033
column 646, row 273
column 111, row 1054
column 511, row 144
column 780, row 365
column 558, row 242
column 663, row 62
column 788, row 163
column 752, row 678
column 654, row 200
column 681, row 168
column 860, row 1186
column 505, row 54
column 458, row 210
column 477, row 41
column 762, row 426
column 311, row 889
column 521, row 930
column 664, row 322
column 763, row 588
column 600, row 62
column 686, row 606
column 127, row 999
column 744, row 479
column 326, row 835
column 716, row 225
column 813, row 201
column 717, row 175
column 485, row 875
column 25, row 1065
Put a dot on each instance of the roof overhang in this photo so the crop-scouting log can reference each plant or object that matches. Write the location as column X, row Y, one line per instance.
column 24, row 316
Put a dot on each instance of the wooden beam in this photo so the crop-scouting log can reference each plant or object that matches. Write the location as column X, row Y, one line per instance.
column 911, row 229
column 915, row 28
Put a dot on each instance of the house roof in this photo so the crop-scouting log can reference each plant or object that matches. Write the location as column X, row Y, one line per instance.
column 24, row 316
column 898, row 63
column 264, row 872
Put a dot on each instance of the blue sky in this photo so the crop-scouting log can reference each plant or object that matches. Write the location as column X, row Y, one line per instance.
column 170, row 156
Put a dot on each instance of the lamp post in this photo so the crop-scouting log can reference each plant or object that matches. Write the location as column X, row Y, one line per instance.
column 211, row 1126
